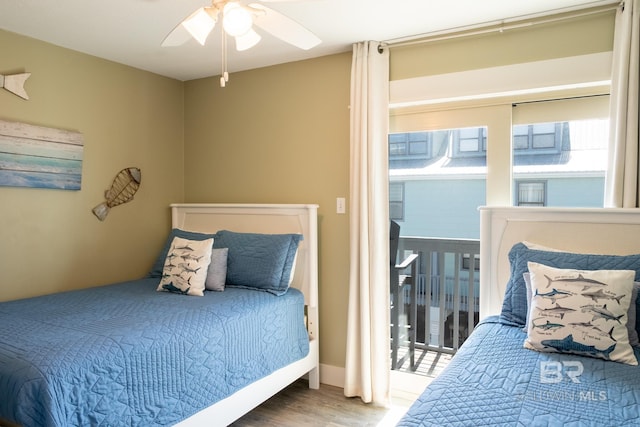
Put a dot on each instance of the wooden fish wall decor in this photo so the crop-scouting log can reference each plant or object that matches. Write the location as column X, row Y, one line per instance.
column 124, row 186
column 14, row 83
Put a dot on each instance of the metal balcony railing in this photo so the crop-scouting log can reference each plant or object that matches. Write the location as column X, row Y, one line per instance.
column 446, row 294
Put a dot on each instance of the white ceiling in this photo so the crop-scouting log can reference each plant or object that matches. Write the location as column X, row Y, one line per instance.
column 130, row 31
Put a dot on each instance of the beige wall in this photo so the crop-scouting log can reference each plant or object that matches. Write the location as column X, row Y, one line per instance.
column 49, row 239
column 280, row 135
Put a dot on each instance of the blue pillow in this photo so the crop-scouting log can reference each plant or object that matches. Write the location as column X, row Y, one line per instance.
column 259, row 261
column 158, row 265
column 637, row 314
column 514, row 306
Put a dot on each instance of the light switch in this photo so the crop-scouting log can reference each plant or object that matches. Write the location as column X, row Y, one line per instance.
column 341, row 205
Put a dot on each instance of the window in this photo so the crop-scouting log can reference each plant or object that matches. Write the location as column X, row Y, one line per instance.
column 470, row 141
column 409, row 145
column 539, row 138
column 560, row 152
column 531, row 193
column 396, row 201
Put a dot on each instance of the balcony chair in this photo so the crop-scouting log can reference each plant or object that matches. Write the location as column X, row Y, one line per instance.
column 403, row 331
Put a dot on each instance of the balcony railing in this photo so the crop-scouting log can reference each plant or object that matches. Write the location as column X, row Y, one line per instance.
column 446, row 294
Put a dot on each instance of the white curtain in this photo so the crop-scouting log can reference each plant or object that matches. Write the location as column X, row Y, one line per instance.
column 367, row 359
column 622, row 180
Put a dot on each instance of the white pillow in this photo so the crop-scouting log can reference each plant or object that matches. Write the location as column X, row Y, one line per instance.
column 185, row 267
column 589, row 320
column 634, row 339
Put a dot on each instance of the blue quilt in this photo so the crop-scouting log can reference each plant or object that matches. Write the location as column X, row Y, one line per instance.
column 493, row 380
column 126, row 355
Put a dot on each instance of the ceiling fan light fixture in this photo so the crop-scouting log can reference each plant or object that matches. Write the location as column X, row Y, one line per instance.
column 237, row 20
column 200, row 23
column 247, row 40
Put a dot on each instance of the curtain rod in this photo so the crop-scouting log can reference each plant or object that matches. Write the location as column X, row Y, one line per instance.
column 499, row 26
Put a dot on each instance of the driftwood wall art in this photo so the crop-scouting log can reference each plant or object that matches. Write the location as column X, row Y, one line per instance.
column 35, row 156
column 124, row 186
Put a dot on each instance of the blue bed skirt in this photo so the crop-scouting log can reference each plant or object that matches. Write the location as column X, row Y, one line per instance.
column 125, row 354
column 493, row 380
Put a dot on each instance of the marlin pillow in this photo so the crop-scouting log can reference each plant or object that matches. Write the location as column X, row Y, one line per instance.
column 634, row 340
column 514, row 307
column 185, row 267
column 580, row 312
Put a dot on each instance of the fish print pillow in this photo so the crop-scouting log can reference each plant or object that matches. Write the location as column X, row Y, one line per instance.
column 185, row 267
column 580, row 312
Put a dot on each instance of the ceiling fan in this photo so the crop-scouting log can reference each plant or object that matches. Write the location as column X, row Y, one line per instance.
column 238, row 18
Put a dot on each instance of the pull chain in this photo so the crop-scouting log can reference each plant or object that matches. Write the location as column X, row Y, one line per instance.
column 224, row 77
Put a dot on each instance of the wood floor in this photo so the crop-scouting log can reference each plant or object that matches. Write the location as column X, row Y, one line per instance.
column 298, row 406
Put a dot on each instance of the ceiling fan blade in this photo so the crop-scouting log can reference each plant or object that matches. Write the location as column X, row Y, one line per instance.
column 197, row 25
column 284, row 28
column 178, row 36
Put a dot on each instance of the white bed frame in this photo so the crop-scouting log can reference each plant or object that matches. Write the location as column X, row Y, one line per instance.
column 593, row 230
column 270, row 219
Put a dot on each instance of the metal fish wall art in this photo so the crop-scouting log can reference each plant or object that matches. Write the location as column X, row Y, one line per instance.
column 124, row 186
column 14, row 83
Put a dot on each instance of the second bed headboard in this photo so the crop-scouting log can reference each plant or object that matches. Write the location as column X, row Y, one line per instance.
column 583, row 230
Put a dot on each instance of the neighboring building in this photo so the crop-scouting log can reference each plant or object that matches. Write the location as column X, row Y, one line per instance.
column 437, row 179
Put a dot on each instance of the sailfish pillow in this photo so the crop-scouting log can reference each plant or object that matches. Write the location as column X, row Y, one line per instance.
column 580, row 312
column 185, row 267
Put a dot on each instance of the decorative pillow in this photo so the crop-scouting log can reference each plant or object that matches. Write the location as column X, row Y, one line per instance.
column 259, row 261
column 217, row 274
column 514, row 307
column 186, row 265
column 158, row 265
column 580, row 312
column 631, row 313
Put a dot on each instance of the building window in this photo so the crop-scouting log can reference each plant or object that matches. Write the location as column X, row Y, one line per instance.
column 470, row 142
column 539, row 137
column 410, row 145
column 466, row 262
column 396, row 201
column 531, row 193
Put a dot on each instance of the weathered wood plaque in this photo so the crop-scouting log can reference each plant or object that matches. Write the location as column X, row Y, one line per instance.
column 35, row 156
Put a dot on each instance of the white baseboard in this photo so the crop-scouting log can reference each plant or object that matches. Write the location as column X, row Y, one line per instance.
column 332, row 375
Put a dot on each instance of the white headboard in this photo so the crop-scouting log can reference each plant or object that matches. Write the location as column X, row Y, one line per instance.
column 261, row 218
column 592, row 230
column 267, row 219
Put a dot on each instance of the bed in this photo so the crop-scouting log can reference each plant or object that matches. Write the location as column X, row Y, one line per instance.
column 146, row 352
column 559, row 282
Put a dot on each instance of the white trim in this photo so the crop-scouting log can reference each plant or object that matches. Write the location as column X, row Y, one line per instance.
column 332, row 375
column 592, row 70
